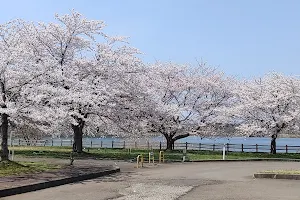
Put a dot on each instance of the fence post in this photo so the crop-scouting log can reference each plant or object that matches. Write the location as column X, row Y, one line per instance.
column 52, row 142
column 242, row 147
column 186, row 145
column 256, row 148
column 199, row 146
column 159, row 145
column 148, row 145
column 214, row 147
column 61, row 143
column 124, row 144
column 227, row 147
column 224, row 152
column 286, row 148
column 101, row 144
column 112, row 144
column 91, row 143
column 135, row 144
column 19, row 142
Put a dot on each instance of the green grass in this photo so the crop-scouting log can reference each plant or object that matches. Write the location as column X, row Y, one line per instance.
column 198, row 155
column 282, row 171
column 124, row 154
column 9, row 168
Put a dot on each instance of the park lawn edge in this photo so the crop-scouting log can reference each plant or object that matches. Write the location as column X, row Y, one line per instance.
column 124, row 154
column 12, row 168
column 285, row 172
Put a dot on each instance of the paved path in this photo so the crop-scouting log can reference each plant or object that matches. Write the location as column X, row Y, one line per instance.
column 189, row 181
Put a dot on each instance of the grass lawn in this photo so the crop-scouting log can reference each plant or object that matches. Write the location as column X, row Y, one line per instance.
column 282, row 172
column 125, row 154
column 8, row 168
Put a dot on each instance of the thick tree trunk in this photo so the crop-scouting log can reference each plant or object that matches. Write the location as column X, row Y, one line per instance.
column 170, row 143
column 77, row 129
column 4, row 133
column 172, row 138
column 4, row 125
column 273, row 144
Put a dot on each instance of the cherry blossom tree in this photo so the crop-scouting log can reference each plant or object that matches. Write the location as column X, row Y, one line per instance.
column 267, row 106
column 53, row 74
column 93, row 79
column 69, row 45
column 21, row 72
column 187, row 99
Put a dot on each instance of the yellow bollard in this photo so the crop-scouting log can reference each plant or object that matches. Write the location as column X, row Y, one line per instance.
column 151, row 156
column 161, row 157
column 142, row 160
column 139, row 161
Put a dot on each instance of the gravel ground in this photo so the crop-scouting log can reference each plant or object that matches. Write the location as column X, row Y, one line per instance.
column 188, row 181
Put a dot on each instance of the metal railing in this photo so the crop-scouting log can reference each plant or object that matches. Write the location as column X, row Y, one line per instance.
column 90, row 143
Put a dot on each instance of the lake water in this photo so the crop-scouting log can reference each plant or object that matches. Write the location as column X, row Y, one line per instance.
column 243, row 140
column 196, row 139
column 250, row 144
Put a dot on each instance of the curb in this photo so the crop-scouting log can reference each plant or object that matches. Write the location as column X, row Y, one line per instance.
column 54, row 183
column 277, row 176
column 239, row 160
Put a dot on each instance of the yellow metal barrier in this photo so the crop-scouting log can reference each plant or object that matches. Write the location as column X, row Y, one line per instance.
column 161, row 157
column 151, row 156
column 139, row 161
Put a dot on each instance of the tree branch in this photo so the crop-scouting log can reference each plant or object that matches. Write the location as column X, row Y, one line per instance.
column 181, row 136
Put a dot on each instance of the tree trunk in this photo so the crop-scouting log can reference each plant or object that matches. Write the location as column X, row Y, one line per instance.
column 4, row 125
column 172, row 138
column 273, row 144
column 77, row 129
column 170, row 143
column 4, row 133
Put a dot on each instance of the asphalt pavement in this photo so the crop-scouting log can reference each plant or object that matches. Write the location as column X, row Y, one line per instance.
column 182, row 181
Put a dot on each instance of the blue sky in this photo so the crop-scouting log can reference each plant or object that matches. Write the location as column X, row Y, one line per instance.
column 244, row 38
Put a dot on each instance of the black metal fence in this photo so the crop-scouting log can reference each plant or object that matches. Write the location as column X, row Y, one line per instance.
column 90, row 143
